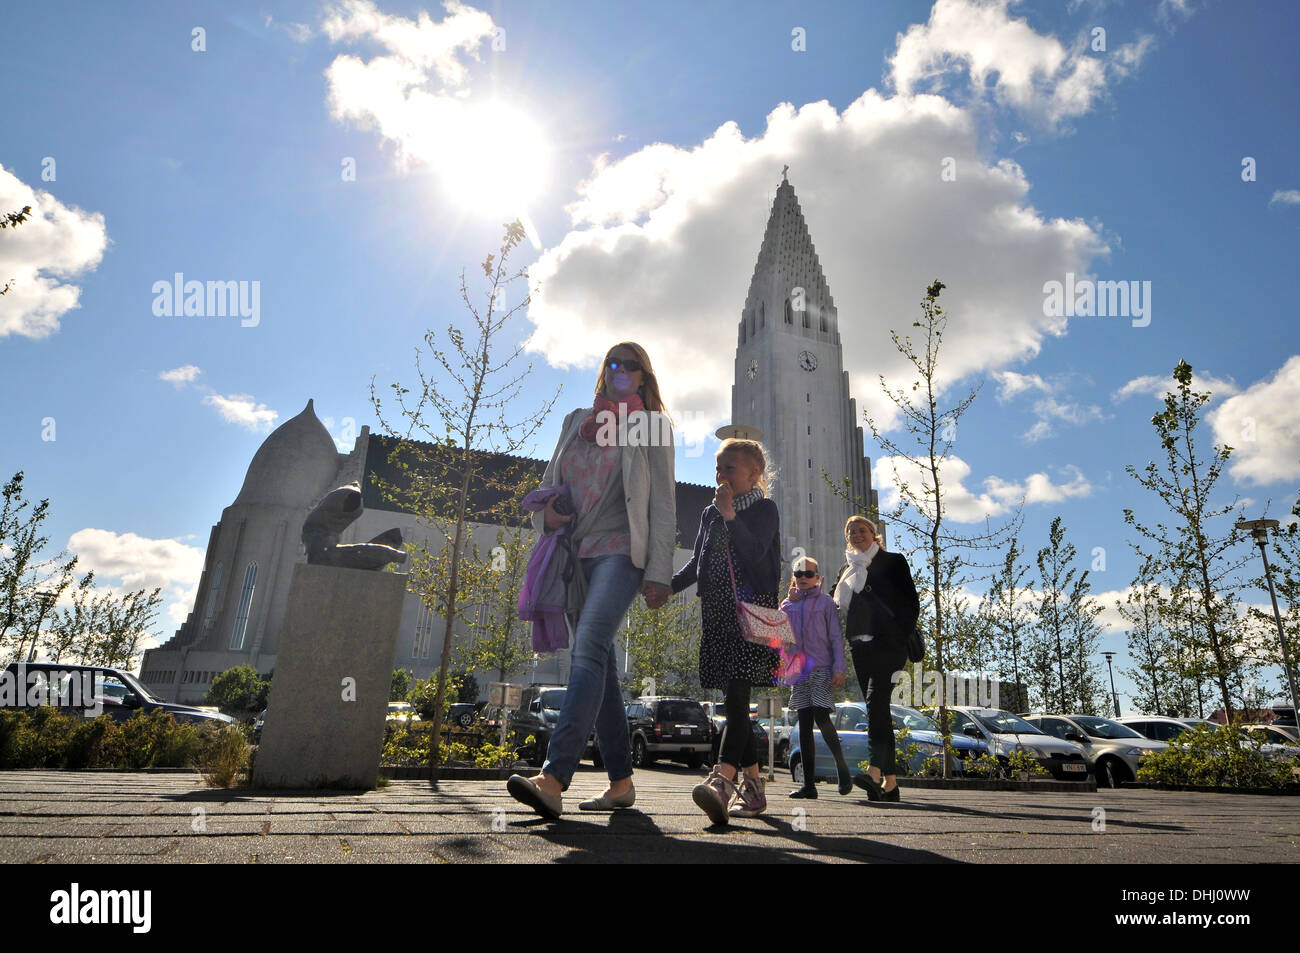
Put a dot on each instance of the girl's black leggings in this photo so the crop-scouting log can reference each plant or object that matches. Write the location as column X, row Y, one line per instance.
column 738, row 748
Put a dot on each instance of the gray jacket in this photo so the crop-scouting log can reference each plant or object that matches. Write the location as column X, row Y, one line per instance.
column 649, row 485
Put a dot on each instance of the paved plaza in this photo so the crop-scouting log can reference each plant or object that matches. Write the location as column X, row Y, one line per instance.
column 67, row 817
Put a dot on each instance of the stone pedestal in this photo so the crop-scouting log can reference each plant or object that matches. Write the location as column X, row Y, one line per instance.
column 333, row 674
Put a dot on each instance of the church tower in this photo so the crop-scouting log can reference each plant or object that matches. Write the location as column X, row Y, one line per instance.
column 791, row 384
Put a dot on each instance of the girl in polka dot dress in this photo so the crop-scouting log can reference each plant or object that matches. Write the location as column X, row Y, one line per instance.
column 739, row 532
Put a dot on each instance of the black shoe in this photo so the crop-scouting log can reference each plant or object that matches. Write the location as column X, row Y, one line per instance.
column 846, row 781
column 807, row 791
column 873, row 789
column 890, row 795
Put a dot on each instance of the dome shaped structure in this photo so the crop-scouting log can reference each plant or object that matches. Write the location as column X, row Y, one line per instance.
column 294, row 466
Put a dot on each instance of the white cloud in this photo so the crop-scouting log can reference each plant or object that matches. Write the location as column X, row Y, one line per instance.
column 1157, row 386
column 1285, row 197
column 1262, row 425
column 998, row 498
column 489, row 152
column 1010, row 384
column 179, row 376
column 244, row 410
column 37, row 258
column 126, row 562
column 665, row 240
column 1023, row 69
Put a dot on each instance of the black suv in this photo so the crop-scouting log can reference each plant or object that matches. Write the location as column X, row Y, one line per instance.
column 89, row 690
column 537, row 715
column 676, row 729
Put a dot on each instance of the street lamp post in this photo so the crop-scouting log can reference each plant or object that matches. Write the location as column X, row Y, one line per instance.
column 45, row 599
column 1113, row 697
column 1258, row 529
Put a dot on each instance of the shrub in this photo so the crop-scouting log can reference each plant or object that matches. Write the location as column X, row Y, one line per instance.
column 225, row 756
column 1022, row 762
column 1215, row 757
column 985, row 766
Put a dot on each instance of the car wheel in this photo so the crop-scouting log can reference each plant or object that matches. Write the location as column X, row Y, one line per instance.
column 1109, row 773
column 783, row 753
column 640, row 756
column 796, row 770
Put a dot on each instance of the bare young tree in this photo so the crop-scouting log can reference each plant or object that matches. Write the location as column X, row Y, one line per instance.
column 461, row 411
column 1197, row 547
column 918, row 465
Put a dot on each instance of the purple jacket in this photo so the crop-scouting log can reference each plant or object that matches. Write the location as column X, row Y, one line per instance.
column 816, row 624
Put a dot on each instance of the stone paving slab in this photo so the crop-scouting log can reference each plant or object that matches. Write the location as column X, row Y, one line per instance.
column 68, row 817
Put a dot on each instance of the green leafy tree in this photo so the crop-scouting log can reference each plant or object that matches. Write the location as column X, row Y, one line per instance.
column 1150, row 645
column 29, row 583
column 1196, row 548
column 461, row 409
column 401, row 685
column 1056, row 573
column 239, row 691
column 1010, row 613
column 662, row 647
column 13, row 220
column 500, row 642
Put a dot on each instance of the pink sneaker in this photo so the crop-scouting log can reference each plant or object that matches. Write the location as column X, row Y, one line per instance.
column 714, row 795
column 753, row 799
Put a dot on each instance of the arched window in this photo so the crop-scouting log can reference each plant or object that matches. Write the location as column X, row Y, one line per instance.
column 789, row 315
column 245, row 603
column 214, row 593
column 824, row 327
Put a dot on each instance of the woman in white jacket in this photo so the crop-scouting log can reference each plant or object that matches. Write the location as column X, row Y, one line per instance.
column 617, row 459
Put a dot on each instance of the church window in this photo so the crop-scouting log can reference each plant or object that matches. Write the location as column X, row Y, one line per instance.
column 810, row 463
column 823, row 323
column 423, row 632
column 809, row 396
column 762, row 315
column 789, row 319
column 809, row 497
column 214, row 592
column 245, row 603
column 810, row 430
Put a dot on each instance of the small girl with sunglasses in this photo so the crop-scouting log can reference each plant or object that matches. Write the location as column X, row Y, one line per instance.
column 818, row 663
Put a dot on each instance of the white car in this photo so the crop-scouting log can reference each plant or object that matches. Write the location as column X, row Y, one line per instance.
column 1004, row 733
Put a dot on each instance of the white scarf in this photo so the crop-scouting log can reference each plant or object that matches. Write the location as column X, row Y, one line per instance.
column 855, row 577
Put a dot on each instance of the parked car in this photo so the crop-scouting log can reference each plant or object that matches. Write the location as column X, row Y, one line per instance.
column 463, row 714
column 56, row 680
column 1277, row 737
column 402, row 711
column 787, row 726
column 1155, row 727
column 675, row 729
column 1004, row 733
column 850, row 721
column 1113, row 751
column 537, row 715
column 258, row 723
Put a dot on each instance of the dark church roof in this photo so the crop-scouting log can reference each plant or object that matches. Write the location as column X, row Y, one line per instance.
column 489, row 489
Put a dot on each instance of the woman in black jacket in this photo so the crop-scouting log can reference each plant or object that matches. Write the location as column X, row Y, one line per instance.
column 739, row 532
column 878, row 608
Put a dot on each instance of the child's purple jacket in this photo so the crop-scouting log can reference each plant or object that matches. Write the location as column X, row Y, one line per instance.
column 816, row 624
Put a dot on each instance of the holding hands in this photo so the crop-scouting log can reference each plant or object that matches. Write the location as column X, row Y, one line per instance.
column 656, row 594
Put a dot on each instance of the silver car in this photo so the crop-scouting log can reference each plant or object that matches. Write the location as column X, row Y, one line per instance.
column 1113, row 751
column 1004, row 733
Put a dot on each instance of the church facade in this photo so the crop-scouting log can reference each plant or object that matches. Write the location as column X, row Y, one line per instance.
column 789, row 383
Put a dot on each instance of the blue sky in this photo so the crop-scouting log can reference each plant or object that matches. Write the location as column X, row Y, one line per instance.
column 651, row 139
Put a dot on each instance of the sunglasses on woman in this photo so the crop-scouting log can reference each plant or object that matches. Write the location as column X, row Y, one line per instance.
column 805, row 574
column 630, row 366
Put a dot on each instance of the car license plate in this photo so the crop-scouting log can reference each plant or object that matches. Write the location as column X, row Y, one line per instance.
column 1076, row 767
column 684, row 729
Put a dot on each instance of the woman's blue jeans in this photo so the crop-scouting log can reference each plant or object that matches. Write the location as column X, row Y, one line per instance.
column 594, row 695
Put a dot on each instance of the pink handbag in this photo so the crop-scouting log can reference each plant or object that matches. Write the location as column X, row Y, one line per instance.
column 758, row 624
